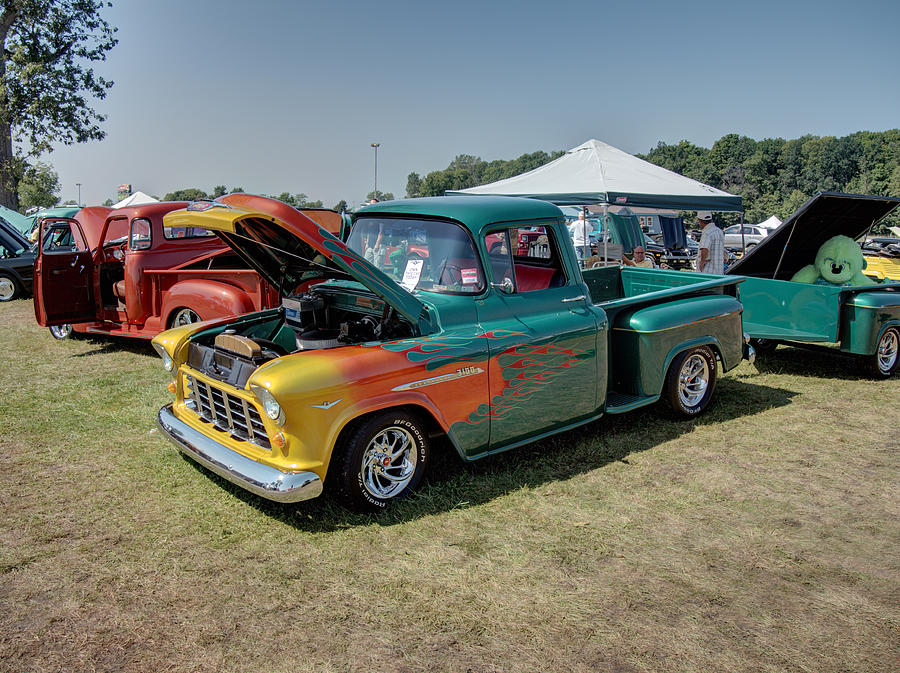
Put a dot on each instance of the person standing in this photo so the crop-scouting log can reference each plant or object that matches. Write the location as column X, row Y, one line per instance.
column 580, row 231
column 711, row 257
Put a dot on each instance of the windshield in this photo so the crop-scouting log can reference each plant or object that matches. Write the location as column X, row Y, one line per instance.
column 431, row 255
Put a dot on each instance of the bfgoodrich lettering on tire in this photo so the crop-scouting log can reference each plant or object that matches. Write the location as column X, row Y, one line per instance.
column 690, row 381
column 381, row 460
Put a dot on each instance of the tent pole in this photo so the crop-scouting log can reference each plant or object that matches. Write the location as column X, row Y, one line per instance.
column 605, row 234
column 743, row 242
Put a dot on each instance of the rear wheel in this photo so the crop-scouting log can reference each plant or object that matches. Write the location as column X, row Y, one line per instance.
column 887, row 353
column 382, row 460
column 183, row 316
column 9, row 288
column 61, row 331
column 691, row 381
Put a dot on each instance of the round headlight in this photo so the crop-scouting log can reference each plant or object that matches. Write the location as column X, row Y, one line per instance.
column 167, row 361
column 270, row 406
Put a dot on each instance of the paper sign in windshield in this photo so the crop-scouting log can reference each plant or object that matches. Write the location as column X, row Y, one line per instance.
column 469, row 276
column 412, row 273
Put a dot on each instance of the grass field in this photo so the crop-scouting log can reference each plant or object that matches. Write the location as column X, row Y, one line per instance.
column 763, row 536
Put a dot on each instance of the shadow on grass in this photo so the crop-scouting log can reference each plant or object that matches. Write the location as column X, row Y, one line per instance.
column 453, row 484
column 813, row 361
column 106, row 345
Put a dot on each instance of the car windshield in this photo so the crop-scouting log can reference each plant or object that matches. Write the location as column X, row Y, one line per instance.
column 432, row 255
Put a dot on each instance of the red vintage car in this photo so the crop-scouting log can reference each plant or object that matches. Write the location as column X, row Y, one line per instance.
column 120, row 272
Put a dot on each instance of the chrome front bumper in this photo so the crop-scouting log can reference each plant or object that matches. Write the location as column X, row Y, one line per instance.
column 266, row 482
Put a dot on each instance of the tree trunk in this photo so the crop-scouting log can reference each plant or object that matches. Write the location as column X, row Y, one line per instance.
column 9, row 175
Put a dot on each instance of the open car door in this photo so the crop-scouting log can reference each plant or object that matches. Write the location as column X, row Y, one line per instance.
column 63, row 275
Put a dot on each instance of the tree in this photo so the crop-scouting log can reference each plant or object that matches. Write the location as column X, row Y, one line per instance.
column 46, row 80
column 218, row 190
column 340, row 206
column 108, row 203
column 39, row 186
column 380, row 196
column 413, row 185
column 190, row 194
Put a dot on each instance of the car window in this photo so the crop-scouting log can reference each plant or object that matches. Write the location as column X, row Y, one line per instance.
column 734, row 229
column 171, row 233
column 62, row 236
column 140, row 234
column 529, row 257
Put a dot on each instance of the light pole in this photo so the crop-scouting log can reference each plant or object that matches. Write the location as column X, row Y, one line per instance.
column 375, row 146
column 78, row 184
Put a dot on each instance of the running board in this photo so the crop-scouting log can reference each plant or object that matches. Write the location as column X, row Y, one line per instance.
column 619, row 403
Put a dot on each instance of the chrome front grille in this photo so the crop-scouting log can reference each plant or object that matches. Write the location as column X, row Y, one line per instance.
column 228, row 413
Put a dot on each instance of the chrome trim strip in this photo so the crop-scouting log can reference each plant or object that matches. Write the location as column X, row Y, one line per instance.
column 262, row 480
column 458, row 374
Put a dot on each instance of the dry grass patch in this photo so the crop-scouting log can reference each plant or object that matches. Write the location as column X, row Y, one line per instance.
column 760, row 537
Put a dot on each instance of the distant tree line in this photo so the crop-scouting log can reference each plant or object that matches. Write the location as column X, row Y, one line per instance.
column 774, row 176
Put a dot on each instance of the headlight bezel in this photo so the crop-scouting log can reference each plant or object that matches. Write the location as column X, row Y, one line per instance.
column 168, row 360
column 270, row 405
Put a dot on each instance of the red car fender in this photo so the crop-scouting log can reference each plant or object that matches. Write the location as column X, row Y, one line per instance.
column 209, row 299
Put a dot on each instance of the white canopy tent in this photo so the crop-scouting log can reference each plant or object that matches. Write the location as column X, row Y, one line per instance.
column 136, row 199
column 597, row 173
column 772, row 223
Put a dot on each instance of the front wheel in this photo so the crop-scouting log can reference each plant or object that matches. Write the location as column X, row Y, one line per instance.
column 691, row 381
column 884, row 362
column 61, row 331
column 183, row 316
column 9, row 288
column 382, row 460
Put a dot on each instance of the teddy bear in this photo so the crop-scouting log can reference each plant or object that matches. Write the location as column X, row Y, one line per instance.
column 838, row 262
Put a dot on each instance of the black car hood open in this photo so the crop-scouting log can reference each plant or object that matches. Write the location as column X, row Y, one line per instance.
column 795, row 243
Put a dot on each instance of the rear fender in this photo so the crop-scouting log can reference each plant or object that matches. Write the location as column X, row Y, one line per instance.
column 208, row 298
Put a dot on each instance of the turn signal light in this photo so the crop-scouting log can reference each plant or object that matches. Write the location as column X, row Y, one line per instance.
column 171, row 387
column 278, row 440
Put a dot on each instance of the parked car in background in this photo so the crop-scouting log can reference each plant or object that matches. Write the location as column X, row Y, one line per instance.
column 119, row 272
column 738, row 236
column 16, row 262
column 61, row 212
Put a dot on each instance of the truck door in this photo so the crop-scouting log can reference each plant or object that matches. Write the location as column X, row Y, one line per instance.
column 542, row 337
column 63, row 275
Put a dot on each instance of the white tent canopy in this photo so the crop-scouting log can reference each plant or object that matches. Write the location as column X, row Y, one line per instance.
column 136, row 199
column 597, row 173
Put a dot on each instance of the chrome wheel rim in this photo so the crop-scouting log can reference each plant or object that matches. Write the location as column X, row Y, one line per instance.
column 389, row 462
column 185, row 317
column 7, row 288
column 693, row 380
column 61, row 331
column 888, row 348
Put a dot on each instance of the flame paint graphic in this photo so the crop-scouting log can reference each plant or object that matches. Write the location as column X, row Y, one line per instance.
column 447, row 349
column 526, row 370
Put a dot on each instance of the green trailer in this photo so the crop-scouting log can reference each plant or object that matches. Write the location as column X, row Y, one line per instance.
column 863, row 321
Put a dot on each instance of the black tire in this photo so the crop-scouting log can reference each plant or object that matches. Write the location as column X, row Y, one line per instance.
column 182, row 316
column 690, row 381
column 884, row 362
column 361, row 479
column 61, row 332
column 763, row 345
column 9, row 287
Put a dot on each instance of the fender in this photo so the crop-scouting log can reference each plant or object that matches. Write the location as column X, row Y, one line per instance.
column 210, row 299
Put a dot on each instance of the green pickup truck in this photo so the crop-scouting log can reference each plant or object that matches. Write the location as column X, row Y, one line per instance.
column 427, row 320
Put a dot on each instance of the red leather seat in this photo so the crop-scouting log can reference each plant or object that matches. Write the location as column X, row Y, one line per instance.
column 119, row 290
column 530, row 278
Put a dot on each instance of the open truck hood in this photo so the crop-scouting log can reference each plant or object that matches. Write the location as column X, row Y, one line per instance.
column 286, row 247
column 795, row 243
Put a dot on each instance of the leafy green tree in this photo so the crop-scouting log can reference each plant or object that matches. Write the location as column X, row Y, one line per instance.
column 380, row 196
column 218, row 190
column 47, row 82
column 340, row 206
column 190, row 194
column 39, row 186
column 108, row 203
column 413, row 185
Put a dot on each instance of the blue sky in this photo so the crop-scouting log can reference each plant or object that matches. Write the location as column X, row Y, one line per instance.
column 287, row 96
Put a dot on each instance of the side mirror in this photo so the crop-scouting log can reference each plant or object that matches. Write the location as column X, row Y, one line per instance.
column 506, row 287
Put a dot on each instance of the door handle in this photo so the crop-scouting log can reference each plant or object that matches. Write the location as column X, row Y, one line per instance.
column 580, row 297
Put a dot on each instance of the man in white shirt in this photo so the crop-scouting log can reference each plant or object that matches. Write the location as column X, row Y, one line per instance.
column 712, row 245
column 580, row 231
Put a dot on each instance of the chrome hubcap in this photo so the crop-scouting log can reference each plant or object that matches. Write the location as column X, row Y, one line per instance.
column 887, row 350
column 185, row 317
column 389, row 462
column 693, row 380
column 7, row 289
column 61, row 331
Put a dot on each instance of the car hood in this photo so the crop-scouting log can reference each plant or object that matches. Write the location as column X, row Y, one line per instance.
column 795, row 243
column 288, row 248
